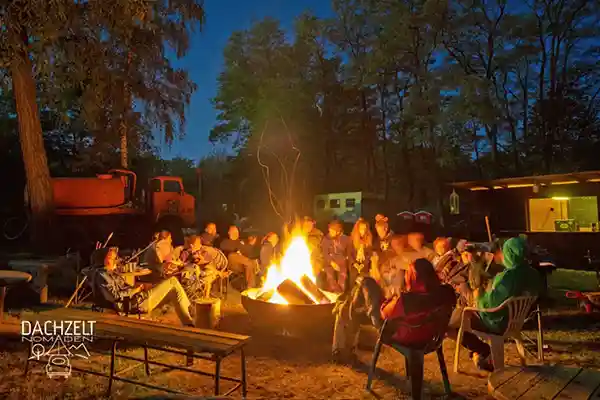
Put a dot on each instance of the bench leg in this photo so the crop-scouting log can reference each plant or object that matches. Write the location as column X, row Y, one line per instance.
column 146, row 363
column 43, row 279
column 29, row 353
column 244, row 383
column 217, row 375
column 44, row 294
column 113, row 354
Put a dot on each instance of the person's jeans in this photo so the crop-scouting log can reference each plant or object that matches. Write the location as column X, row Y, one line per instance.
column 169, row 290
column 363, row 306
column 470, row 341
column 239, row 262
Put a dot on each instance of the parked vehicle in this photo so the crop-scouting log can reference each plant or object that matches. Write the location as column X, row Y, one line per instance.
column 89, row 209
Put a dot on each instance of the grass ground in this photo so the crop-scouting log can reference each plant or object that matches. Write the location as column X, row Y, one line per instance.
column 284, row 368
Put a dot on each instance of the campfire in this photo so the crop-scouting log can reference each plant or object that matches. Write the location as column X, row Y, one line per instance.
column 289, row 303
column 292, row 280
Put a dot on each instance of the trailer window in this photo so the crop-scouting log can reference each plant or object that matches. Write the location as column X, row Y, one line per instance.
column 563, row 214
column 155, row 185
column 334, row 203
column 320, row 204
column 350, row 203
column 172, row 187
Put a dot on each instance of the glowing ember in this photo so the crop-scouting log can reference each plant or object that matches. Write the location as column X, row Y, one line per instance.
column 295, row 263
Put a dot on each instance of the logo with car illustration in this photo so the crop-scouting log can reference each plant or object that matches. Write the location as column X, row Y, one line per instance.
column 58, row 342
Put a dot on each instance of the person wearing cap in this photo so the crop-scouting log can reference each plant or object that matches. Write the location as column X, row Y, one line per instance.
column 337, row 254
column 383, row 235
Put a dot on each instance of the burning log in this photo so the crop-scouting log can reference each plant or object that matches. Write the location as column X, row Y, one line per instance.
column 265, row 296
column 293, row 294
column 314, row 290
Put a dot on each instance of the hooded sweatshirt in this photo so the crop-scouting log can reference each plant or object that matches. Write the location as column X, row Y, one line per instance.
column 517, row 279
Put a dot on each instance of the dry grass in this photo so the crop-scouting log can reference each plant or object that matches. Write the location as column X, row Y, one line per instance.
column 284, row 368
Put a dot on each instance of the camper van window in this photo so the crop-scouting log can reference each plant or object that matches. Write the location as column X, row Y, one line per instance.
column 334, row 203
column 155, row 185
column 320, row 204
column 172, row 187
column 350, row 203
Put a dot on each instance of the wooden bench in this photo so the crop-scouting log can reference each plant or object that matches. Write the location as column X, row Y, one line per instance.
column 545, row 382
column 191, row 342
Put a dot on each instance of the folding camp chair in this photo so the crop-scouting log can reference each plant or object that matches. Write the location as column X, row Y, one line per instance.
column 82, row 289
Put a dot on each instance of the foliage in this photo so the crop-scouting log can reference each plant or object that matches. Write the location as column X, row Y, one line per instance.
column 95, row 55
column 397, row 97
column 91, row 49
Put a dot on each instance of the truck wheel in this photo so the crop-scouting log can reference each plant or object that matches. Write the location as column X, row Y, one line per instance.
column 175, row 226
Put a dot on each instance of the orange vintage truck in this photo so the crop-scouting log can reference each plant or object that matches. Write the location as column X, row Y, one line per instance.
column 89, row 209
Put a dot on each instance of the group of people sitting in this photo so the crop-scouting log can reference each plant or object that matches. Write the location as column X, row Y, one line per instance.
column 380, row 275
column 179, row 275
column 396, row 276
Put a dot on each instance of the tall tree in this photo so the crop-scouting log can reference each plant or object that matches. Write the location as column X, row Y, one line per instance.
column 82, row 42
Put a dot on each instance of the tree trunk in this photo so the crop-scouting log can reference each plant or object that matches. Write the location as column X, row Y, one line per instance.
column 39, row 186
column 124, row 120
column 492, row 134
column 123, row 143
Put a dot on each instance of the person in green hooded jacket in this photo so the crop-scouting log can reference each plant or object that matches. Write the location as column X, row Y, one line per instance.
column 517, row 279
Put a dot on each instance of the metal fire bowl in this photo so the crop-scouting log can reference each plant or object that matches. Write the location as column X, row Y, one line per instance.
column 300, row 321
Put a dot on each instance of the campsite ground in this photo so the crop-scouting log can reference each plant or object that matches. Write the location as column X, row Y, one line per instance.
column 284, row 368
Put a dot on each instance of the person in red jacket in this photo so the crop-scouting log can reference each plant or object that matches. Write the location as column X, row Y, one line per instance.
column 423, row 294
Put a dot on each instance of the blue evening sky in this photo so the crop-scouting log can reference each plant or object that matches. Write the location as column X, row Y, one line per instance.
column 205, row 59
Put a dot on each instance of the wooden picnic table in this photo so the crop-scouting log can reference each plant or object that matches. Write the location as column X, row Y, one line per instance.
column 545, row 382
column 9, row 278
column 130, row 276
column 205, row 344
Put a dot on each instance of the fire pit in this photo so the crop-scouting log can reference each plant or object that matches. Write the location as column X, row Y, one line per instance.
column 289, row 302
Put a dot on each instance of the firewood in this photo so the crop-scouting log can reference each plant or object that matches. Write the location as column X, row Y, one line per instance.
column 314, row 290
column 292, row 293
column 265, row 296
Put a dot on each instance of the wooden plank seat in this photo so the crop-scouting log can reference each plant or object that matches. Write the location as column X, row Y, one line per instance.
column 205, row 344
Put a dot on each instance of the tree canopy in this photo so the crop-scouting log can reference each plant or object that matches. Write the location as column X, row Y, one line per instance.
column 397, row 97
column 87, row 61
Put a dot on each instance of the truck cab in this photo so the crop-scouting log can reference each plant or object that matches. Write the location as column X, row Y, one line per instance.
column 167, row 200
